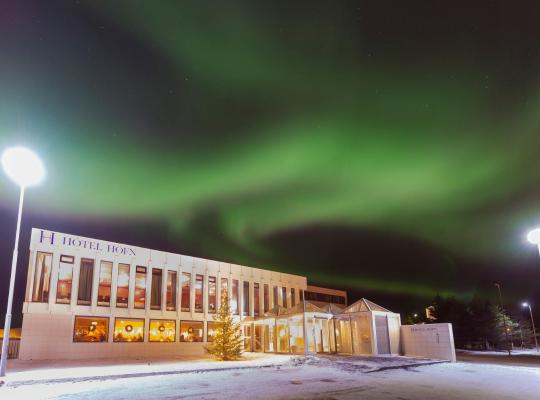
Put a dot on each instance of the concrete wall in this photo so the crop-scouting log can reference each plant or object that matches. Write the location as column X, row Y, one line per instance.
column 428, row 340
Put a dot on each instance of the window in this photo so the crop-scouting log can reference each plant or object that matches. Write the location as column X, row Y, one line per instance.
column 155, row 292
column 301, row 295
column 86, row 276
column 186, row 292
column 91, row 329
column 199, row 290
column 129, row 330
column 65, row 279
column 256, row 301
column 245, row 309
column 234, row 297
column 266, row 298
column 212, row 294
column 162, row 330
column 211, row 329
column 104, row 288
column 327, row 298
column 42, row 277
column 276, row 296
column 191, row 331
column 284, row 296
column 122, row 286
column 140, row 287
column 171, row 291
column 293, row 297
column 225, row 288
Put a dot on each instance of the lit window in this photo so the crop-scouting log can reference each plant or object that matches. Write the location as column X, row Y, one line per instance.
column 245, row 310
column 171, row 290
column 105, row 278
column 186, row 292
column 140, row 287
column 128, row 330
column 212, row 328
column 276, row 295
column 191, row 331
column 122, row 287
column 225, row 288
column 42, row 277
column 91, row 329
column 211, row 294
column 155, row 292
column 293, row 297
column 284, row 296
column 86, row 278
column 234, row 297
column 65, row 279
column 266, row 298
column 256, row 301
column 199, row 286
column 162, row 330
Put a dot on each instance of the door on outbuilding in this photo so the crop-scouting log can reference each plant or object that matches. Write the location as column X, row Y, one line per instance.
column 381, row 330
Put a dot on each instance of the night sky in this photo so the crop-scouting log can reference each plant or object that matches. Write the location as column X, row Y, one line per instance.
column 384, row 147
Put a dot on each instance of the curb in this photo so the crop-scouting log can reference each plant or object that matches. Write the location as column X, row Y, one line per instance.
column 407, row 366
column 12, row 384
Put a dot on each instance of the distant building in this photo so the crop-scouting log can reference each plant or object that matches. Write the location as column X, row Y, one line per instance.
column 321, row 296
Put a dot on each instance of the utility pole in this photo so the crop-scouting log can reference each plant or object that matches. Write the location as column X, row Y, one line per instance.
column 498, row 286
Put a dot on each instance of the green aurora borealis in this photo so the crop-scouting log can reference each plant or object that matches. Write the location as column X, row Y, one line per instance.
column 237, row 127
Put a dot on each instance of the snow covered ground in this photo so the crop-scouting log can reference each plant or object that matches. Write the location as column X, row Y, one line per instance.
column 314, row 378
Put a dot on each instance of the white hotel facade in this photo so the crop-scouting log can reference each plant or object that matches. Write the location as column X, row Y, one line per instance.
column 88, row 298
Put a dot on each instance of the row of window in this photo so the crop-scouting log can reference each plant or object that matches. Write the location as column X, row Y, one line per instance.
column 96, row 329
column 42, row 278
column 326, row 298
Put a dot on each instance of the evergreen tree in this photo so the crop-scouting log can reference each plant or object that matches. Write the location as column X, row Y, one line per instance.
column 227, row 341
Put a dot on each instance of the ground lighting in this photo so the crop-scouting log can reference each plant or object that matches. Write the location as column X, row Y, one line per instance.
column 25, row 168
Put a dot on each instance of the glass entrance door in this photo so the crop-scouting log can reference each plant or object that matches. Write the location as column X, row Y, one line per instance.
column 257, row 338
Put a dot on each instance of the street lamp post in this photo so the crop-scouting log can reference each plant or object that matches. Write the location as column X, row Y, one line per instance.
column 498, row 285
column 25, row 169
column 532, row 322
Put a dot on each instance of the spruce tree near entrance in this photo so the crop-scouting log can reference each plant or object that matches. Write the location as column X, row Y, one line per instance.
column 227, row 343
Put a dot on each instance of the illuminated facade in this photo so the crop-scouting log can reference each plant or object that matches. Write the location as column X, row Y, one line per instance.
column 88, row 298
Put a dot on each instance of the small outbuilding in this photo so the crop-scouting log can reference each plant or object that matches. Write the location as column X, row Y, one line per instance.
column 363, row 328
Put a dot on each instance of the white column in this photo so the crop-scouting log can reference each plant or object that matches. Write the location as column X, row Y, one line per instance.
column 114, row 284
column 75, row 282
column 131, row 297
column 148, row 286
column 55, row 266
column 95, row 284
column 164, row 277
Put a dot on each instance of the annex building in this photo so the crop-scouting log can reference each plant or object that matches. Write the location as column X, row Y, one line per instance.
column 88, row 298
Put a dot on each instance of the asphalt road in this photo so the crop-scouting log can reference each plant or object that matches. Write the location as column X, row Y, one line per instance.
column 519, row 360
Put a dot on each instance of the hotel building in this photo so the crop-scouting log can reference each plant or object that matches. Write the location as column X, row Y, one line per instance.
column 88, row 298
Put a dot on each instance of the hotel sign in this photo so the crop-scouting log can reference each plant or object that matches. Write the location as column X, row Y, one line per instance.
column 60, row 239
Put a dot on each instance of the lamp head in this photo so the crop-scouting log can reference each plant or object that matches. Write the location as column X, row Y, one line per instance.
column 23, row 166
column 534, row 236
column 525, row 304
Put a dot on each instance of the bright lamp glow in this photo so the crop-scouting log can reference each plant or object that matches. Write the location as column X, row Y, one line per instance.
column 525, row 304
column 534, row 236
column 23, row 166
